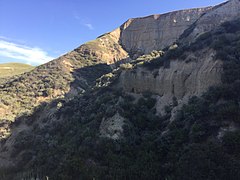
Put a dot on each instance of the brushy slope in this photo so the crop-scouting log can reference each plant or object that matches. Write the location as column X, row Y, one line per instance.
column 201, row 143
column 20, row 94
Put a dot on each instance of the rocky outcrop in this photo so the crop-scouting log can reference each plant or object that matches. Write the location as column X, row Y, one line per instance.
column 142, row 35
column 219, row 14
column 182, row 80
column 139, row 36
column 112, row 127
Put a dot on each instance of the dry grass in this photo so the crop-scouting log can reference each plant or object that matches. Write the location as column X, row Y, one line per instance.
column 11, row 69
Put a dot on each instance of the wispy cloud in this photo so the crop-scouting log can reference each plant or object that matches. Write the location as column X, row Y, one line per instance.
column 83, row 21
column 30, row 55
column 89, row 26
column 76, row 17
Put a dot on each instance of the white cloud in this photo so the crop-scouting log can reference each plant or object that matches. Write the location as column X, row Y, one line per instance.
column 31, row 55
column 89, row 26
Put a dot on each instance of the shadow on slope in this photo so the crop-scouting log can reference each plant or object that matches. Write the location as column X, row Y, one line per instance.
column 43, row 115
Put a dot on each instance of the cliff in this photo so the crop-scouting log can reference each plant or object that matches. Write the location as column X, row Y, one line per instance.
column 142, row 35
column 227, row 11
column 139, row 36
column 183, row 79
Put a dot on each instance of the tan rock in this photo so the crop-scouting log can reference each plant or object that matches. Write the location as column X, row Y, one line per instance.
column 142, row 35
column 227, row 11
column 182, row 80
column 112, row 127
column 105, row 48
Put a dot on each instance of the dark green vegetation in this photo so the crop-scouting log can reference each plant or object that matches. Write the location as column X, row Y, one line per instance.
column 201, row 143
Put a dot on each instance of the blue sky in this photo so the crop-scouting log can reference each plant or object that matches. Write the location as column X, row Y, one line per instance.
column 36, row 31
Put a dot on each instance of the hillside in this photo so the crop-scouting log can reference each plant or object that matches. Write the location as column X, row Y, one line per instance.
column 75, row 72
column 157, row 98
column 9, row 70
column 12, row 69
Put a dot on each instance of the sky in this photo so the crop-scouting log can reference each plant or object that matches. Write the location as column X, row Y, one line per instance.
column 37, row 31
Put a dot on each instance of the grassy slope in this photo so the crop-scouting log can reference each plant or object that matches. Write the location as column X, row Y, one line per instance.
column 11, row 69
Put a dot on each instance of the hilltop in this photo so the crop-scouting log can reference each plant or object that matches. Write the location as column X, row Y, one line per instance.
column 12, row 69
column 8, row 70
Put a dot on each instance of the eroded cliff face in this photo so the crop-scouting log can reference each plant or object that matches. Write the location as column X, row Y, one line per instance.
column 139, row 36
column 182, row 79
column 142, row 35
column 217, row 15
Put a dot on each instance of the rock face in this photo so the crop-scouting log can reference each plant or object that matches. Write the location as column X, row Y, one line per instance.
column 182, row 80
column 112, row 127
column 142, row 35
column 139, row 36
column 219, row 14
